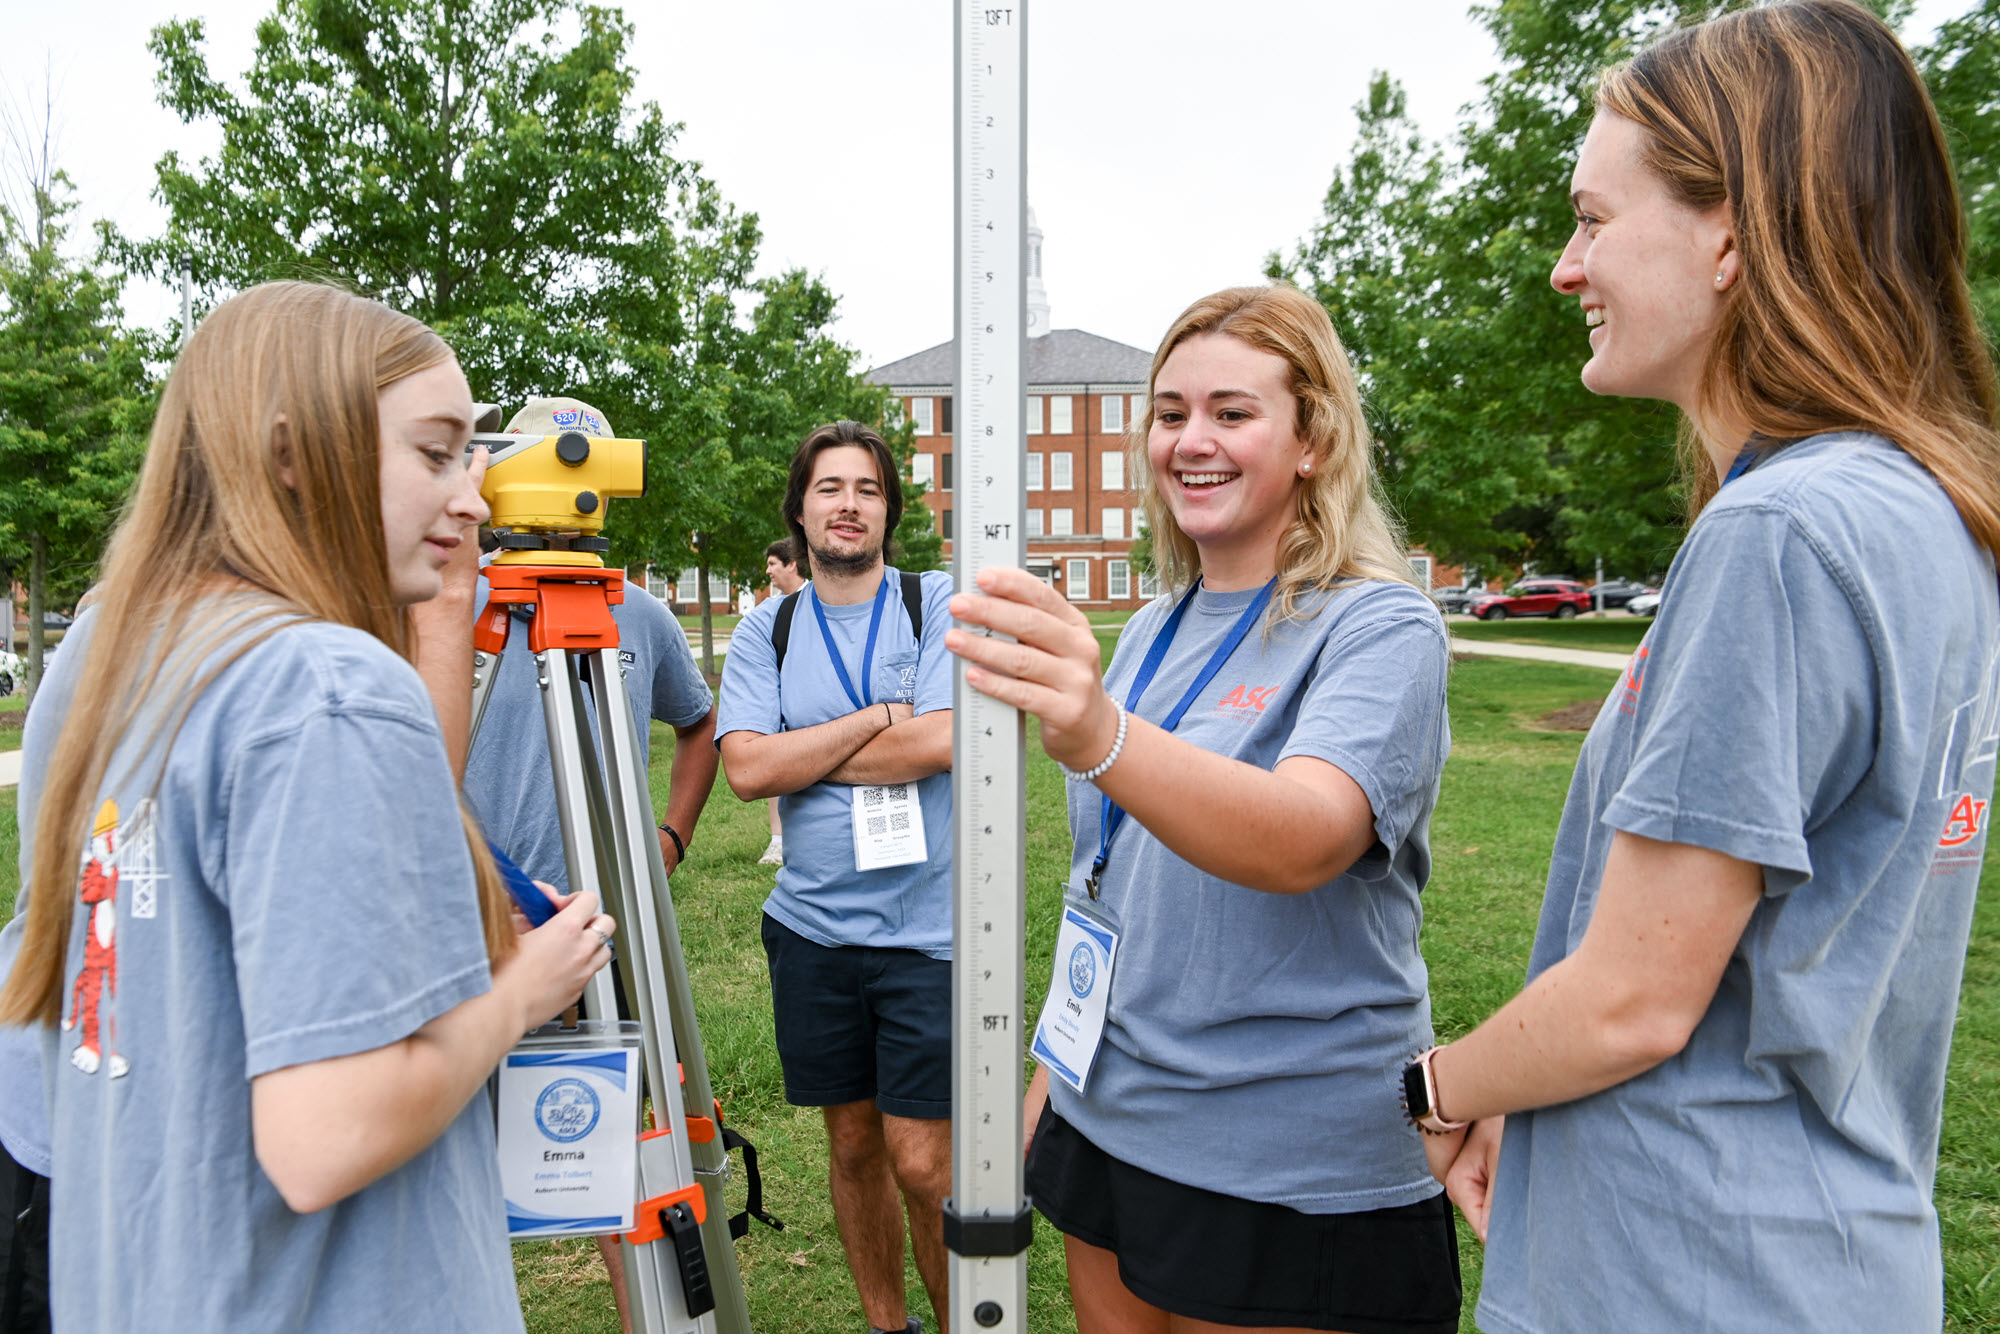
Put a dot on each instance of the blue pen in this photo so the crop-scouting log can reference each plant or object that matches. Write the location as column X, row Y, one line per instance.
column 527, row 895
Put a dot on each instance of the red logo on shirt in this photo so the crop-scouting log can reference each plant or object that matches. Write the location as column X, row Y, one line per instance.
column 1635, row 679
column 1968, row 816
column 1247, row 697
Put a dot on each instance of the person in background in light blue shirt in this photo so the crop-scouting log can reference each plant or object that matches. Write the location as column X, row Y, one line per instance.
column 856, row 708
column 1723, row 1083
column 1252, row 818
column 269, row 962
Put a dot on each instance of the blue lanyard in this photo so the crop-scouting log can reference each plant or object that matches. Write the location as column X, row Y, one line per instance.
column 1113, row 815
column 1744, row 461
column 867, row 654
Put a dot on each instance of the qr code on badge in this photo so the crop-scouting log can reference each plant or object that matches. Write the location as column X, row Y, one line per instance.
column 871, row 796
column 898, row 792
column 877, row 825
column 899, row 820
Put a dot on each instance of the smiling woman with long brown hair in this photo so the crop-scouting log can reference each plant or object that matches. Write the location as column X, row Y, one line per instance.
column 269, row 966
column 1722, row 1085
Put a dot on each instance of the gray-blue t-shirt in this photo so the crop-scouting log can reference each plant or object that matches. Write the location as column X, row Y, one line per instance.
column 819, row 893
column 1818, row 696
column 1254, row 1042
column 507, row 777
column 293, row 886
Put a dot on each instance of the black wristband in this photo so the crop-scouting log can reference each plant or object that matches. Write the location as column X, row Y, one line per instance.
column 680, row 848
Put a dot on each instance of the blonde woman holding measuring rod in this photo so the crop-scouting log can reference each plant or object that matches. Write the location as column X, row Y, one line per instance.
column 1251, row 784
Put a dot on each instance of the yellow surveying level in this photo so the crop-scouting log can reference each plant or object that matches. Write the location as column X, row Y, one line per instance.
column 545, row 485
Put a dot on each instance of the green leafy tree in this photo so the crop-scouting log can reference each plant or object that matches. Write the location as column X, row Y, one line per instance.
column 73, row 395
column 1962, row 67
column 481, row 165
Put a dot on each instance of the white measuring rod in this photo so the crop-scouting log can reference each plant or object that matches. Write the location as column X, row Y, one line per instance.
column 987, row 1220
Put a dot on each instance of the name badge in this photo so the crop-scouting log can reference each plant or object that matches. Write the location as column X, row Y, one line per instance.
column 888, row 826
column 1072, row 1022
column 568, row 1122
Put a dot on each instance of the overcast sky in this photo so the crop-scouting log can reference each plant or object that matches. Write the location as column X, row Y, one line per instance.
column 1172, row 144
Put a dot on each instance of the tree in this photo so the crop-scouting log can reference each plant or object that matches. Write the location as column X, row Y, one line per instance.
column 1434, row 263
column 72, row 390
column 464, row 161
column 1962, row 68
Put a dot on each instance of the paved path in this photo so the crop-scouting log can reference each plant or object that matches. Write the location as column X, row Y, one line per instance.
column 1579, row 657
column 10, row 761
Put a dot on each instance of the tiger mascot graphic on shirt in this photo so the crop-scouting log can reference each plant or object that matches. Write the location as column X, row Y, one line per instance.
column 98, row 890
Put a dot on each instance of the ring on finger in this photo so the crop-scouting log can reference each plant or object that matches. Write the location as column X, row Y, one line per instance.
column 603, row 938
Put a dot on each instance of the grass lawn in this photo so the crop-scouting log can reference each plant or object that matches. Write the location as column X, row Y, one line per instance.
column 722, row 624
column 1616, row 633
column 1503, row 790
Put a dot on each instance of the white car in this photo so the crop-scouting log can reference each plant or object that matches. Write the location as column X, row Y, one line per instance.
column 1646, row 604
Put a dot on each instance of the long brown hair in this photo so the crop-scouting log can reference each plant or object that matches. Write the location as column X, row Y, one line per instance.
column 1851, row 309
column 1342, row 529
column 284, row 377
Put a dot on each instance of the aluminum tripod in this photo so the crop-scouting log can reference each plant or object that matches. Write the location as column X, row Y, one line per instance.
column 680, row 1259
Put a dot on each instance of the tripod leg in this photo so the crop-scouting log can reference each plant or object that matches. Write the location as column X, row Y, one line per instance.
column 562, row 712
column 665, row 969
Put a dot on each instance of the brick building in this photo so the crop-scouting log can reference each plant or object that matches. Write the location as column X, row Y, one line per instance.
column 1083, row 392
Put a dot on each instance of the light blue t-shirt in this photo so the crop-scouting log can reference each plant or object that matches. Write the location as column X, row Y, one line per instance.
column 1255, row 1042
column 293, row 887
column 819, row 894
column 1818, row 696
column 507, row 777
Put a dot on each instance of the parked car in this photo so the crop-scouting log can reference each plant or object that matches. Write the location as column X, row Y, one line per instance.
column 55, row 620
column 1560, row 598
column 1646, row 604
column 1617, row 592
column 1455, row 597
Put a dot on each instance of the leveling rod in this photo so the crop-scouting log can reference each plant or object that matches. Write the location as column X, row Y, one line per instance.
column 987, row 1220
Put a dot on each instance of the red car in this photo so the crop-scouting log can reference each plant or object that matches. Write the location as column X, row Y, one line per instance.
column 1560, row 598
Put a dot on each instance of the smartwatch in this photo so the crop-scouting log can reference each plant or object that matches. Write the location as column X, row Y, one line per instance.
column 1420, row 1098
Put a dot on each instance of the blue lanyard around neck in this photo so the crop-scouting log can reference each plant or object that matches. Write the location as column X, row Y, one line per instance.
column 1113, row 815
column 867, row 654
column 1745, row 460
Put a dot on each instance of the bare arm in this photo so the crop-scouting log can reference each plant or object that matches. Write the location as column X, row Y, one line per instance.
column 775, row 765
column 912, row 749
column 443, row 648
column 1667, row 920
column 688, row 783
column 328, row 1128
column 1284, row 830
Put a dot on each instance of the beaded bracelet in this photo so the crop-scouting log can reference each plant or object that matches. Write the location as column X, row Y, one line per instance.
column 1117, row 746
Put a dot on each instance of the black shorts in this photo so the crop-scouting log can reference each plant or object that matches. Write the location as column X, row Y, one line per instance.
column 1214, row 1257
column 24, row 1248
column 858, row 1022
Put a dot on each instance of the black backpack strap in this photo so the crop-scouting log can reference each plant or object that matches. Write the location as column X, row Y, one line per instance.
column 781, row 628
column 753, row 1205
column 913, row 602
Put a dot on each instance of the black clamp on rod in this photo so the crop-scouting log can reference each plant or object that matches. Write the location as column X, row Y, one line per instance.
column 985, row 1235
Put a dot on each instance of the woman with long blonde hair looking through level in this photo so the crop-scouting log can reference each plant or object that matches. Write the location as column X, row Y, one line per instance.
column 269, row 997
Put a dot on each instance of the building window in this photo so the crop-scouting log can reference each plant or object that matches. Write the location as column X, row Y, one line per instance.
column 1034, row 414
column 892, row 413
column 1059, row 421
column 1138, row 521
column 1114, row 522
column 1117, row 580
column 1112, row 408
column 1078, row 579
column 1034, row 523
column 1059, row 470
column 1062, row 522
column 658, row 587
column 944, row 472
column 689, row 587
column 922, row 468
column 944, row 523
column 1149, row 586
column 920, row 411
column 1034, row 471
column 1113, row 463
column 1138, row 407
column 944, row 415
column 1420, row 568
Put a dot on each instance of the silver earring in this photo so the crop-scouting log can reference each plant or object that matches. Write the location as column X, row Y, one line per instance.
column 1718, row 280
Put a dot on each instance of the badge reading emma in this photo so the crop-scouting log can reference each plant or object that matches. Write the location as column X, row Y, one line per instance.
column 1072, row 1022
column 568, row 1125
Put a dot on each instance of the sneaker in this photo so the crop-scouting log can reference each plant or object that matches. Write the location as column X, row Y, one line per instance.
column 915, row 1326
column 774, row 855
